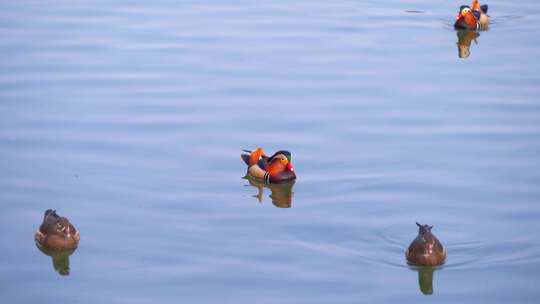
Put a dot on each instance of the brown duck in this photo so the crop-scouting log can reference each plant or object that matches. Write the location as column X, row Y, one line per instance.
column 277, row 168
column 425, row 249
column 56, row 233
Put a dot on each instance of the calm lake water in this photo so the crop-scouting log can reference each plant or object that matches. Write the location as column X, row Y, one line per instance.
column 129, row 118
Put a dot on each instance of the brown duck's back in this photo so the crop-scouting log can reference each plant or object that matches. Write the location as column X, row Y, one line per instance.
column 418, row 252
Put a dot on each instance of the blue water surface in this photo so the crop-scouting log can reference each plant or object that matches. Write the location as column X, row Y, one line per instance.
column 129, row 117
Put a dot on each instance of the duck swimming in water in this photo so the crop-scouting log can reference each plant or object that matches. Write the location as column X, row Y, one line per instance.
column 56, row 233
column 277, row 168
column 473, row 18
column 425, row 249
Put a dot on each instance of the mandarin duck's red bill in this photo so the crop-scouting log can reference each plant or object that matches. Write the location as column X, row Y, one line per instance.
column 277, row 168
column 473, row 18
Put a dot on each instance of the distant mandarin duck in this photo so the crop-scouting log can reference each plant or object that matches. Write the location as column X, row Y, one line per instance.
column 56, row 233
column 277, row 168
column 472, row 17
column 425, row 249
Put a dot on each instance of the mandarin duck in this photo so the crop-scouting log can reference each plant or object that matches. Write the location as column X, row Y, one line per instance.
column 473, row 18
column 425, row 249
column 56, row 233
column 275, row 169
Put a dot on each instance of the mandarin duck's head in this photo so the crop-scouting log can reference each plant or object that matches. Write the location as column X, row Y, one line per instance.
column 284, row 158
column 465, row 18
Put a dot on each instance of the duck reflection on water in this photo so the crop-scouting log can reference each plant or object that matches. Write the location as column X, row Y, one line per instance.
column 465, row 39
column 60, row 259
column 425, row 278
column 281, row 194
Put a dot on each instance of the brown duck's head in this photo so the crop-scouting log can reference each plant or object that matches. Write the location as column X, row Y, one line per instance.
column 64, row 227
column 429, row 240
column 282, row 158
column 423, row 229
column 58, row 225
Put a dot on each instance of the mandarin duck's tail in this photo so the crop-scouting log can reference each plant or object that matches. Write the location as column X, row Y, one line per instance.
column 484, row 8
column 245, row 158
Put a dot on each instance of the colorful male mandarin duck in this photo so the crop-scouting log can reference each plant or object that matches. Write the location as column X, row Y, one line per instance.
column 56, row 233
column 425, row 249
column 472, row 17
column 277, row 168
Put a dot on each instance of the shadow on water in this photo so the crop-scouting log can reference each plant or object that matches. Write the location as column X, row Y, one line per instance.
column 425, row 278
column 60, row 259
column 465, row 39
column 281, row 194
